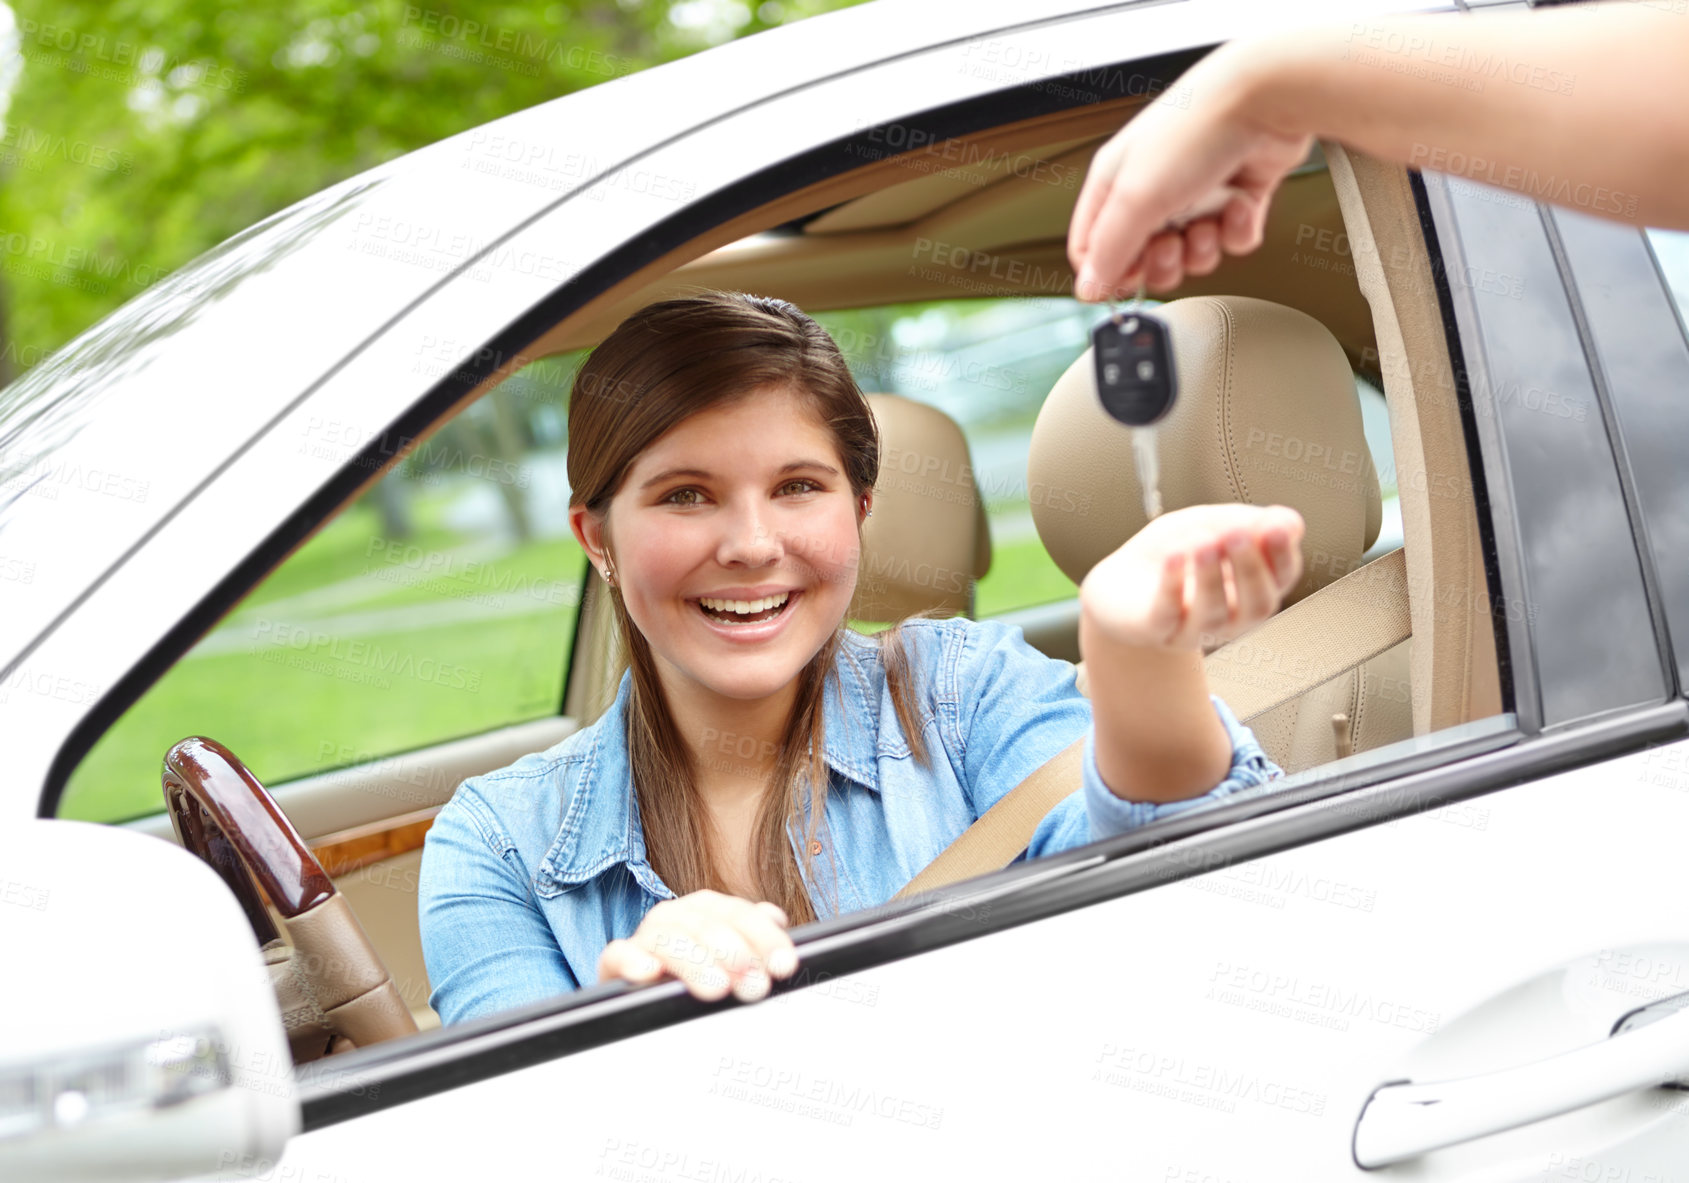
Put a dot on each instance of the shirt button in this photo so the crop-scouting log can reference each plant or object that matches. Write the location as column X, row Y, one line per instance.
column 815, row 847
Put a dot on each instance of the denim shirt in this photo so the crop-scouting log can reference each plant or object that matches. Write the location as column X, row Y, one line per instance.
column 529, row 871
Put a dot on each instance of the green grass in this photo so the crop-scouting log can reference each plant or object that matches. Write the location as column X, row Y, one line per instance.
column 293, row 698
column 288, row 712
column 1022, row 575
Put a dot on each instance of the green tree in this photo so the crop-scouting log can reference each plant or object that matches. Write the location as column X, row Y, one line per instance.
column 141, row 133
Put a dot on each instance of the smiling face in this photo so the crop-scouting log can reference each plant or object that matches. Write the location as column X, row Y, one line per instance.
column 766, row 508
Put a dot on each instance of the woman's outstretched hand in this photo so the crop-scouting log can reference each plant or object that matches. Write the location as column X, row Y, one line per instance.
column 712, row 942
column 1197, row 576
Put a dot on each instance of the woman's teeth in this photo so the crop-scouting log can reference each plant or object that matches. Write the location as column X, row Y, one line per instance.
column 744, row 611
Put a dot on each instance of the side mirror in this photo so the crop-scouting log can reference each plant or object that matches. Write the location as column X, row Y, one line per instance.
column 140, row 1038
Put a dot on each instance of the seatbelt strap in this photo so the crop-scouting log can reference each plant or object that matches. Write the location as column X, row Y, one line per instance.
column 1314, row 640
column 1311, row 642
column 1004, row 830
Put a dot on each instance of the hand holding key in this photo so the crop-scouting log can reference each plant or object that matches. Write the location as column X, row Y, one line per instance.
column 1197, row 576
column 1189, row 177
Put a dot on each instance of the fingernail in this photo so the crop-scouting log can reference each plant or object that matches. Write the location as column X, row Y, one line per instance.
column 752, row 986
column 714, row 979
column 1237, row 540
column 1087, row 281
column 644, row 965
column 782, row 963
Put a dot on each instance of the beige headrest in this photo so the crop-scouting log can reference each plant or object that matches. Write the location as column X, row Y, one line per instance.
column 1267, row 415
column 928, row 539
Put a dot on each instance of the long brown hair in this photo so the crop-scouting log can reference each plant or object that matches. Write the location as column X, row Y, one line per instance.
column 665, row 363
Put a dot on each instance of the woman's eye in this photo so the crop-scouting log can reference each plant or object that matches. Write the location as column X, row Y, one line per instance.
column 809, row 486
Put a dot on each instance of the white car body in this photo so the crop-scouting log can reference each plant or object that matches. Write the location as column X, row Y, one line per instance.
column 1220, row 1009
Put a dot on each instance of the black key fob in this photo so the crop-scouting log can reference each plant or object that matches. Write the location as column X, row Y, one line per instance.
column 1134, row 361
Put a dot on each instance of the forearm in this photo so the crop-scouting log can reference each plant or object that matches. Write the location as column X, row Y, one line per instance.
column 1158, row 738
column 1586, row 106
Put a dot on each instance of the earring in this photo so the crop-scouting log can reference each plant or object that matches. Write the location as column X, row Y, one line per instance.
column 609, row 573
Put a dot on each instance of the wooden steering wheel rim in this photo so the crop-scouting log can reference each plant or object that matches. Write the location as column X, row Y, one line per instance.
column 219, row 810
column 224, row 816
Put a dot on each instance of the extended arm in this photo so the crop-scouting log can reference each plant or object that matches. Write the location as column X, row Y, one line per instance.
column 1158, row 738
column 1018, row 708
column 1586, row 106
column 1198, row 575
column 1596, row 96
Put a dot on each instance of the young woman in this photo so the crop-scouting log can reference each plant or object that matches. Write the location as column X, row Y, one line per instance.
column 722, row 463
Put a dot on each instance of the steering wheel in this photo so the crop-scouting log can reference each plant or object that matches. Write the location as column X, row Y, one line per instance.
column 333, row 990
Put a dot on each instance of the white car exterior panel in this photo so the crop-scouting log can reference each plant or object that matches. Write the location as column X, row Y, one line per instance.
column 1225, row 1027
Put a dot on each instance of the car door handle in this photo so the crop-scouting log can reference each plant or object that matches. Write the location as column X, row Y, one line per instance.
column 1649, row 1047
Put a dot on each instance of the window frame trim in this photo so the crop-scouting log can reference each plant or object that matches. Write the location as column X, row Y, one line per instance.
column 1596, row 344
column 1476, row 345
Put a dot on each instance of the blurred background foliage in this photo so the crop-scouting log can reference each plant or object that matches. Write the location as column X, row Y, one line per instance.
column 141, row 133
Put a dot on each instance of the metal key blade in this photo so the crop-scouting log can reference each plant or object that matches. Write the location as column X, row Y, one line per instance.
column 1149, row 469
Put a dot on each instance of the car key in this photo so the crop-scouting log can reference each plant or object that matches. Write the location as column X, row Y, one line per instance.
column 1137, row 384
column 1134, row 359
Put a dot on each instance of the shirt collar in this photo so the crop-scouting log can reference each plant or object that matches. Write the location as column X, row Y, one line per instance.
column 601, row 826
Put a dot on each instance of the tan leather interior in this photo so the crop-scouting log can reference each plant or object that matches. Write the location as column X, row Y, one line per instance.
column 928, row 541
column 1267, row 415
column 1328, row 676
column 331, row 982
column 383, row 896
column 955, row 232
column 309, row 1035
column 598, row 660
column 1454, row 671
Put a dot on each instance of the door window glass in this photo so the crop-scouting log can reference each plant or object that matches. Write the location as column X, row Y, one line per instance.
column 439, row 604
